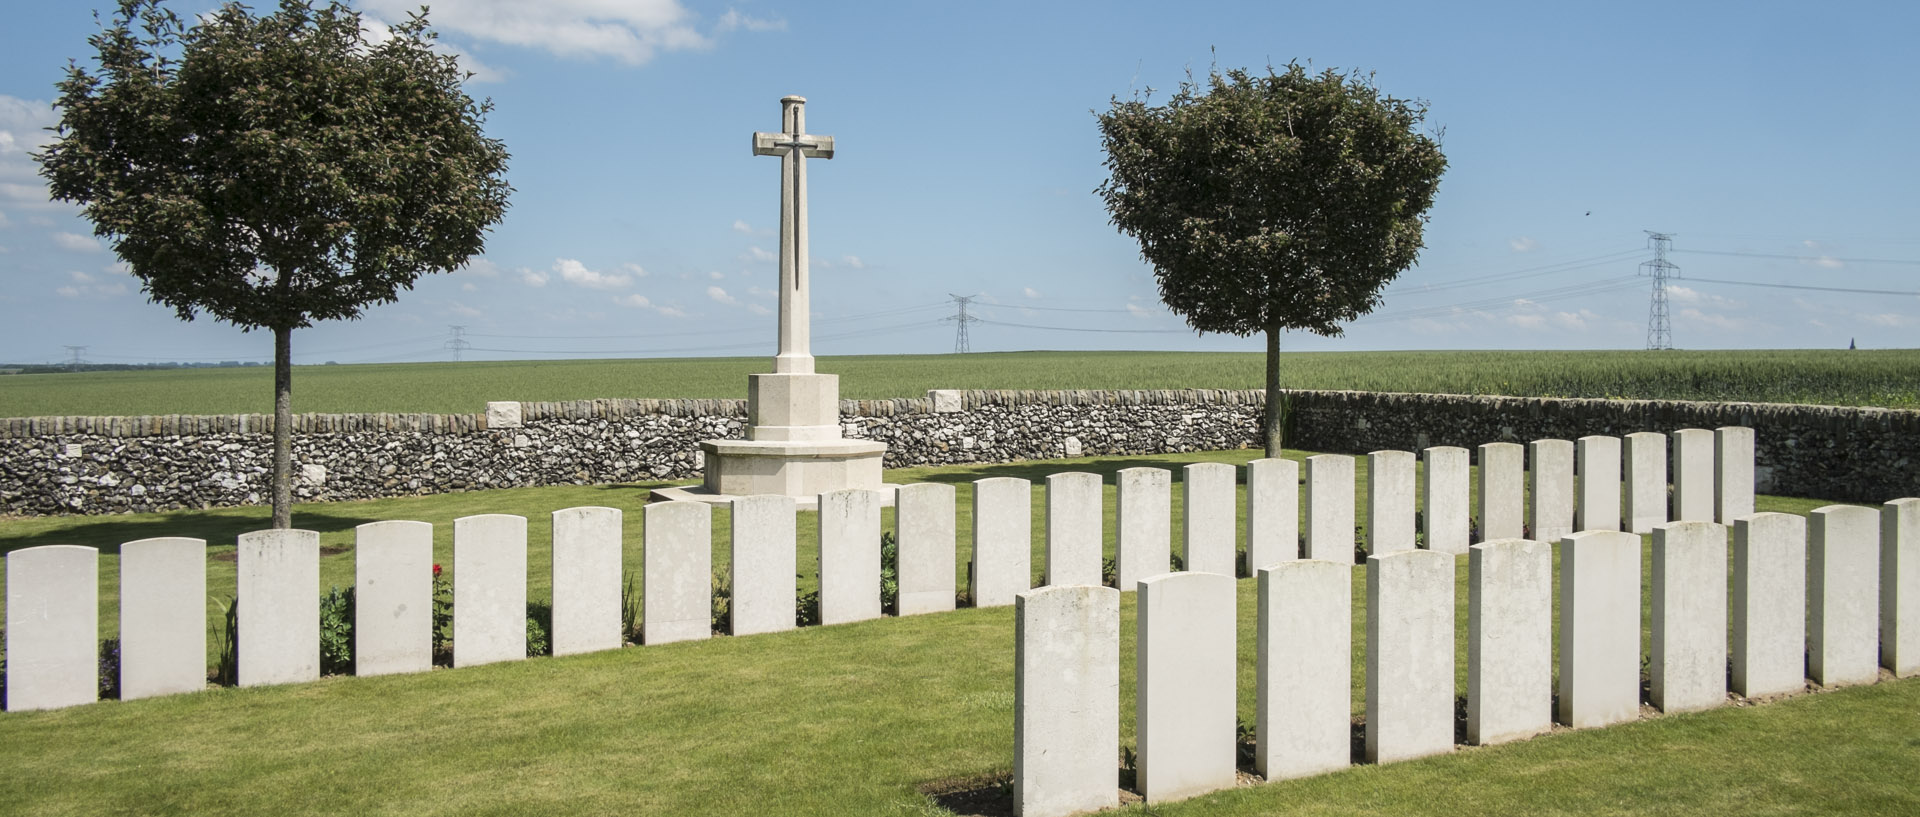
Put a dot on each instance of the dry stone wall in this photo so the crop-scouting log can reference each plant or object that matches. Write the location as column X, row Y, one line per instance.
column 54, row 465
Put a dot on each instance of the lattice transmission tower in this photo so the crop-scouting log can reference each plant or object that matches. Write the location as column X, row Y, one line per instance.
column 458, row 342
column 960, row 320
column 1659, row 331
column 75, row 356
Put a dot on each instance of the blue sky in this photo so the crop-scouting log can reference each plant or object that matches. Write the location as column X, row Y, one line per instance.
column 1775, row 141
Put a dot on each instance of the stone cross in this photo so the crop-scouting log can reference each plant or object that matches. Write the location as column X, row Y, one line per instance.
column 794, row 146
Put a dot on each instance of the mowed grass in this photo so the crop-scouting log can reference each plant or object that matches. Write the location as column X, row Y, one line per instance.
column 1887, row 378
column 850, row 719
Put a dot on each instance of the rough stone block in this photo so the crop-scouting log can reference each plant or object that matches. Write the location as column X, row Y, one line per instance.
column 1066, row 693
column 1209, row 524
column 1273, row 512
column 849, row 523
column 1409, row 655
column 503, row 414
column 1550, row 482
column 946, row 401
column 1303, row 669
column 1184, row 685
column 1509, row 640
column 1446, row 524
column 163, row 617
column 924, row 516
column 1074, row 537
column 1390, row 489
column 1900, row 587
column 1503, row 491
column 489, row 589
column 676, row 594
column 764, row 563
column 1002, row 541
column 1144, row 519
column 279, row 606
column 1329, row 508
column 1843, row 584
column 1599, row 628
column 1732, row 473
column 53, row 623
column 1646, row 475
column 1598, row 461
column 1688, row 659
column 1693, row 494
column 586, row 565
column 1769, row 640
column 392, row 598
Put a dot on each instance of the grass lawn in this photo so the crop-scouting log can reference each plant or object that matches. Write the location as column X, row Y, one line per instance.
column 850, row 719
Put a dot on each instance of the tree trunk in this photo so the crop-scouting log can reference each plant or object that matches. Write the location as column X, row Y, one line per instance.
column 282, row 427
column 1276, row 418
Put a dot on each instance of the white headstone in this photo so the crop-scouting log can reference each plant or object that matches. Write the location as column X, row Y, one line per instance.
column 1390, row 489
column 1409, row 655
column 393, row 597
column 1688, row 660
column 1646, row 473
column 1445, row 502
column 1732, row 473
column 1599, row 628
column 53, row 627
column 1329, row 508
column 1769, row 640
column 764, row 563
column 1900, row 587
column 1550, row 483
column 1503, row 491
column 849, row 555
column 279, row 606
column 1304, row 669
column 1144, row 524
column 489, row 589
column 1273, row 512
column 1074, row 538
column 1509, row 640
column 1002, row 540
column 163, row 617
column 1066, row 693
column 1598, row 461
column 1184, row 685
column 676, row 595
column 1843, row 584
column 1209, row 523
column 586, row 566
column 924, row 516
column 1693, row 495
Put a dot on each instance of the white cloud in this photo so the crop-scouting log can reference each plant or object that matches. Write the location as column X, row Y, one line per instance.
column 23, row 130
column 1825, row 260
column 761, row 292
column 464, row 311
column 758, row 309
column 742, row 227
column 76, row 242
column 721, row 295
column 469, row 287
column 1523, row 244
column 1888, row 319
column 574, row 272
column 717, row 276
column 480, row 266
column 533, row 278
column 4, row 222
column 670, row 311
column 734, row 20
column 635, row 270
column 1528, row 321
column 88, row 286
column 1030, row 292
column 1139, row 311
column 1575, row 320
column 4, row 250
column 758, row 254
column 1696, row 317
column 853, row 261
column 634, row 300
column 630, row 31
column 1688, row 295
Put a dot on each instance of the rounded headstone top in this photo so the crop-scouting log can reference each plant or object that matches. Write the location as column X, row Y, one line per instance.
column 793, row 98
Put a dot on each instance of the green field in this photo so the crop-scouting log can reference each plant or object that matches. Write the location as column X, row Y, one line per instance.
column 1887, row 378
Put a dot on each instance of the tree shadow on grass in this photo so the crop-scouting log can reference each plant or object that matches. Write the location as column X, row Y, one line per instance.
column 220, row 528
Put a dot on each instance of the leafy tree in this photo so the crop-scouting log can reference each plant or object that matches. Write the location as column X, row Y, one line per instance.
column 277, row 170
column 1276, row 202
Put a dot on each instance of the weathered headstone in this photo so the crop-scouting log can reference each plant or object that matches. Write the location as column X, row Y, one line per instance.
column 1273, row 512
column 1185, row 674
column 1599, row 628
column 1144, row 523
column 849, row 523
column 393, row 597
column 1687, row 664
column 1598, row 460
column 1002, row 540
column 1066, row 693
column 586, row 565
column 489, row 589
column 1209, row 523
column 1503, row 491
column 1769, row 640
column 1900, row 587
column 1329, row 508
column 1445, row 501
column 1390, row 490
column 1409, row 655
column 279, row 606
column 163, row 617
column 1843, row 584
column 1074, row 537
column 676, row 601
column 1646, row 474
column 1509, row 640
column 764, row 562
column 1693, row 494
column 924, row 516
column 1550, row 482
column 1732, row 473
column 53, row 623
column 1304, row 669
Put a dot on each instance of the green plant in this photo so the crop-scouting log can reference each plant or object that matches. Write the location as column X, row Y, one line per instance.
column 109, row 669
column 889, row 574
column 1109, row 573
column 442, row 618
column 722, row 606
column 630, row 610
column 806, row 608
column 539, row 624
column 336, row 632
column 226, row 665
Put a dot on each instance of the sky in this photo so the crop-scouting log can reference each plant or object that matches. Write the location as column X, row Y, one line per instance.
column 1773, row 141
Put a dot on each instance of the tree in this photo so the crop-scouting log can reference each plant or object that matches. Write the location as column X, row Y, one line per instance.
column 278, row 170
column 1276, row 202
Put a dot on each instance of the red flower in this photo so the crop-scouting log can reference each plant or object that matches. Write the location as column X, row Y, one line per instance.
column 436, row 571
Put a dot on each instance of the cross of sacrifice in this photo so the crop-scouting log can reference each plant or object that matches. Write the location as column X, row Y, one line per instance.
column 794, row 146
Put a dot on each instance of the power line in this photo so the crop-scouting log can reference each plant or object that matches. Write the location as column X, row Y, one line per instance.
column 457, row 343
column 961, row 345
column 74, row 359
column 1529, row 272
column 1659, row 332
column 1816, row 259
column 1802, row 286
column 1084, row 329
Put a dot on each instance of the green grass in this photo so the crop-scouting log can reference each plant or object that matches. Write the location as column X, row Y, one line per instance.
column 1889, row 378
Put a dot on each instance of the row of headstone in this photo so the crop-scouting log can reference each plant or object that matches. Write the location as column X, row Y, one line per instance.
column 1794, row 598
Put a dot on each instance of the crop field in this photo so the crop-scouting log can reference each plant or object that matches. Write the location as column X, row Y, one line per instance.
column 1886, row 378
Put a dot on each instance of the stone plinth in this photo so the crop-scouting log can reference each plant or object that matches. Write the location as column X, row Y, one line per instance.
column 802, row 469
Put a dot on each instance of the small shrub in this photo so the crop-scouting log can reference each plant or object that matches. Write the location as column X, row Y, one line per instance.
column 539, row 624
column 806, row 608
column 109, row 669
column 630, row 611
column 336, row 632
column 722, row 606
column 442, row 618
column 889, row 574
column 1109, row 573
column 226, row 665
